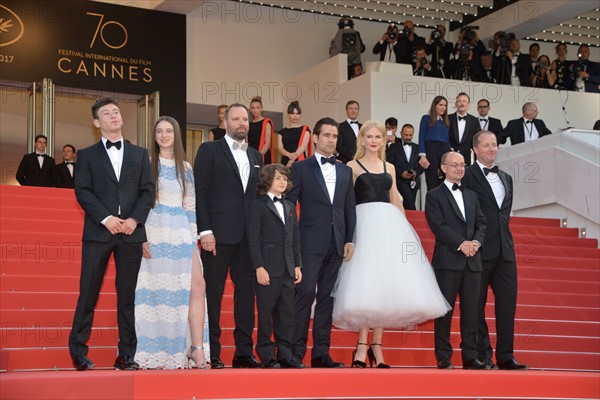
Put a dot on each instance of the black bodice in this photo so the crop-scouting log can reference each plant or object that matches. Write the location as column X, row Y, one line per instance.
column 370, row 188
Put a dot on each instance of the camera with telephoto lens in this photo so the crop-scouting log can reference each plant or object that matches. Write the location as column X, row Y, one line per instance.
column 469, row 31
column 503, row 40
column 436, row 35
column 406, row 32
column 392, row 32
column 543, row 64
column 423, row 61
column 579, row 66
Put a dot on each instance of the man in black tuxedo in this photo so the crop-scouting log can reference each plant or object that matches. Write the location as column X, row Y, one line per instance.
column 526, row 128
column 389, row 47
column 226, row 174
column 274, row 243
column 463, row 127
column 459, row 226
column 423, row 67
column 324, row 190
column 587, row 77
column 348, row 132
column 115, row 189
column 514, row 67
column 404, row 155
column 494, row 190
column 487, row 123
column 486, row 73
column 37, row 168
column 64, row 170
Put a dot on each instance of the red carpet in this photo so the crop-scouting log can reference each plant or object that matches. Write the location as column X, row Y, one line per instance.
column 557, row 325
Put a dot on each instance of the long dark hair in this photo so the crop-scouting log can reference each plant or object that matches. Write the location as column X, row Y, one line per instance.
column 179, row 153
column 433, row 117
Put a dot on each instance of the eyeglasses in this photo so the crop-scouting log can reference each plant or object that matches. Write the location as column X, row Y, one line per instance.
column 455, row 165
column 483, row 106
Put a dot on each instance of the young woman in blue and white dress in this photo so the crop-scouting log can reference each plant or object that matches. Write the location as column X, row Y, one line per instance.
column 170, row 305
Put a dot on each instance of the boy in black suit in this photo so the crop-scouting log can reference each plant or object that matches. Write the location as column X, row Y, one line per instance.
column 37, row 168
column 274, row 245
column 65, row 170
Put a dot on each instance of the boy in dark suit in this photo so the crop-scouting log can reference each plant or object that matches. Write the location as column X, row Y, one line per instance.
column 274, row 245
column 37, row 168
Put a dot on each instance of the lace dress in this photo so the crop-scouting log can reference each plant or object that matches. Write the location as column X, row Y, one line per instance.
column 388, row 282
column 163, row 290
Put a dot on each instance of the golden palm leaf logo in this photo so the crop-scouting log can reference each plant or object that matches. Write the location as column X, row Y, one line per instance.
column 11, row 26
column 4, row 25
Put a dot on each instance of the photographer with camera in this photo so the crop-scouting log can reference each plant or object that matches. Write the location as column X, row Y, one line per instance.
column 422, row 67
column 585, row 72
column 534, row 54
column 541, row 76
column 347, row 41
column 438, row 48
column 465, row 63
column 396, row 46
column 514, row 67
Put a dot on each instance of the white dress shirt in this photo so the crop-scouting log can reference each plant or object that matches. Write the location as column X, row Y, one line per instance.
column 353, row 126
column 530, row 131
column 496, row 184
column 484, row 124
column 461, row 126
column 329, row 174
column 116, row 160
column 458, row 197
column 407, row 150
column 241, row 159
column 278, row 206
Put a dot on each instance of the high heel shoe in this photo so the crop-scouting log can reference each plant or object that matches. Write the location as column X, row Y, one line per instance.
column 372, row 359
column 358, row 363
column 192, row 361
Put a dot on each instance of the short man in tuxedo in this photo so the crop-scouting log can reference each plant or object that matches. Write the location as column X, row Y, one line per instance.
column 404, row 155
column 494, row 190
column 526, row 128
column 324, row 190
column 463, row 127
column 348, row 132
column 64, row 170
column 37, row 168
column 115, row 189
column 587, row 79
column 455, row 218
column 226, row 173
column 487, row 123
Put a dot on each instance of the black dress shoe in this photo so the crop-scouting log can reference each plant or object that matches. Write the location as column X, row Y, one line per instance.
column 325, row 362
column 271, row 364
column 445, row 364
column 512, row 364
column 216, row 363
column 82, row 363
column 245, row 362
column 126, row 363
column 291, row 363
column 473, row 364
column 489, row 364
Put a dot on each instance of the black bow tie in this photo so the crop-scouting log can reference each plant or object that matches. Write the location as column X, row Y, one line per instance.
column 462, row 118
column 40, row 155
column 406, row 143
column 69, row 162
column 354, row 122
column 457, row 186
column 483, row 119
column 494, row 169
column 330, row 160
column 529, row 122
column 110, row 144
column 277, row 199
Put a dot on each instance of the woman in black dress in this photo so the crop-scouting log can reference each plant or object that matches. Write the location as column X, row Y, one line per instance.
column 542, row 77
column 294, row 141
column 260, row 135
column 218, row 133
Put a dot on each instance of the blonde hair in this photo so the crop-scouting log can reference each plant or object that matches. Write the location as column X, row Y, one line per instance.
column 360, row 149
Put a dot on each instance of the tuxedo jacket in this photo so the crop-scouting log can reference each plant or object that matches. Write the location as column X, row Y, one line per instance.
column 101, row 194
column 63, row 178
column 522, row 69
column 221, row 203
column 318, row 215
column 498, row 240
column 592, row 82
column 29, row 172
column 397, row 157
column 450, row 228
column 399, row 51
column 515, row 130
column 346, row 144
column 273, row 244
column 466, row 143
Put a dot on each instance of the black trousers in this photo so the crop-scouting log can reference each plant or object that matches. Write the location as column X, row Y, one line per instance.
column 275, row 304
column 95, row 256
column 319, row 273
column 502, row 277
column 235, row 259
column 434, row 152
column 409, row 195
column 466, row 284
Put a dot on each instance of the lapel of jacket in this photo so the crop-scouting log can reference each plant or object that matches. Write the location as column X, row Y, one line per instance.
column 229, row 156
column 105, row 161
column 319, row 175
column 522, row 129
column 484, row 182
column 507, row 188
column 271, row 206
column 453, row 202
column 454, row 121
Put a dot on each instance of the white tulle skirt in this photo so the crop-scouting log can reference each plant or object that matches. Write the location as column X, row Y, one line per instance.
column 388, row 283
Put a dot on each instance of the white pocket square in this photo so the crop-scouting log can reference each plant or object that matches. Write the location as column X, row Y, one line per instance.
column 257, row 166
